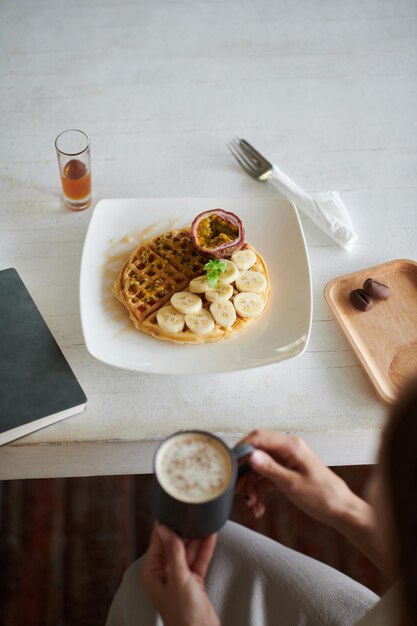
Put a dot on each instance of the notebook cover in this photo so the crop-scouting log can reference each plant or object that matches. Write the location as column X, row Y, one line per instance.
column 36, row 380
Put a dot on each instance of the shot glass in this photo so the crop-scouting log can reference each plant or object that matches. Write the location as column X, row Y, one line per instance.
column 73, row 152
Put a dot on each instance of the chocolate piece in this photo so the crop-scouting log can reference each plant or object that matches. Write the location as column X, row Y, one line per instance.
column 376, row 290
column 361, row 300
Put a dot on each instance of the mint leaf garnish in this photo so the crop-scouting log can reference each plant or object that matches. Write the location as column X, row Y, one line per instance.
column 214, row 268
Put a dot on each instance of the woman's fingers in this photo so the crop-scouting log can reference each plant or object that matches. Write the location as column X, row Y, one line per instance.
column 255, row 494
column 154, row 561
column 250, row 494
column 153, row 573
column 259, row 509
column 266, row 466
column 244, row 481
column 290, row 450
column 204, row 555
column 277, row 457
column 155, row 545
column 192, row 548
column 294, row 469
column 174, row 552
column 241, row 483
column 195, row 556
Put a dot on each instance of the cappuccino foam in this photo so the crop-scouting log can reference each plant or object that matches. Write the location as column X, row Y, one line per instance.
column 193, row 467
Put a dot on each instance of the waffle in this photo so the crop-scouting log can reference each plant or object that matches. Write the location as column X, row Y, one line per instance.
column 161, row 267
column 155, row 271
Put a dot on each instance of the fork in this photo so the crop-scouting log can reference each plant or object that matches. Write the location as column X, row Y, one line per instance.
column 323, row 209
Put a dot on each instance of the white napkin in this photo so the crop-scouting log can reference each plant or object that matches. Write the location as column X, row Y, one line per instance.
column 325, row 209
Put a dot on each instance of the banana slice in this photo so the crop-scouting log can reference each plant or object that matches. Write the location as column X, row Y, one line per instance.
column 224, row 313
column 199, row 285
column 200, row 323
column 220, row 293
column 254, row 282
column 244, row 259
column 170, row 320
column 248, row 304
column 186, row 302
column 231, row 273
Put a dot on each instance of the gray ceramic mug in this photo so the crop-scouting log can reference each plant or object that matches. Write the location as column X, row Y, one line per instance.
column 195, row 473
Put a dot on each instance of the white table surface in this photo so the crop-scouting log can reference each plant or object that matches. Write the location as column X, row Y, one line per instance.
column 327, row 89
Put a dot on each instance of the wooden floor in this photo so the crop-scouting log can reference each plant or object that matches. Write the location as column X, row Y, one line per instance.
column 66, row 542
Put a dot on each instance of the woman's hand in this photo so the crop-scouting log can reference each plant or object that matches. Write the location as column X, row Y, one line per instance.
column 286, row 463
column 173, row 575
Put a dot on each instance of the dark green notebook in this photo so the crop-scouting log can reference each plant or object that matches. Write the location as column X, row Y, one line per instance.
column 37, row 386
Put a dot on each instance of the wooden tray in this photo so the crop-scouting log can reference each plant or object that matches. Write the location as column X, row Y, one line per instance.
column 384, row 339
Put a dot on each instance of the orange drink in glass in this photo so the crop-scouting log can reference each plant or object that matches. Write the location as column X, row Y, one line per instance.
column 73, row 152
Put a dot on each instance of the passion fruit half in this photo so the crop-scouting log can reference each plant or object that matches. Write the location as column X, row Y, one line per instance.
column 217, row 233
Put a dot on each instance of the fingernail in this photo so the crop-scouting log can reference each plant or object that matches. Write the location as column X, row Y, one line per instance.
column 256, row 457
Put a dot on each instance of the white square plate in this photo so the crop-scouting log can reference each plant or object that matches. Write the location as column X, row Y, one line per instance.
column 272, row 226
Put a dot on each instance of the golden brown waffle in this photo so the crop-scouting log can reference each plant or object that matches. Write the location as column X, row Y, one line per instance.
column 158, row 269
column 176, row 248
column 155, row 271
